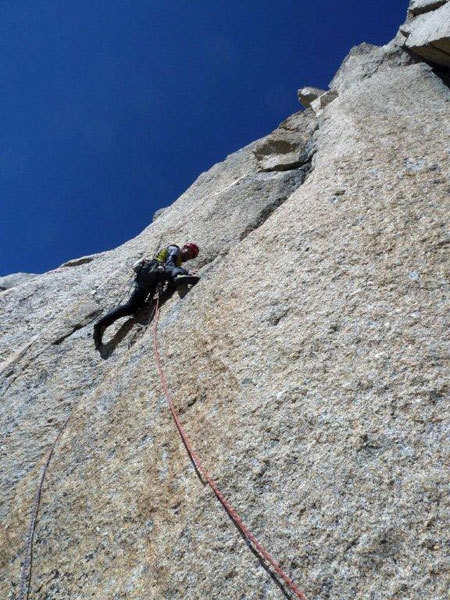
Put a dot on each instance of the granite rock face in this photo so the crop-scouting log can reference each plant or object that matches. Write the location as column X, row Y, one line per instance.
column 418, row 7
column 322, row 101
column 309, row 367
column 427, row 30
column 307, row 95
column 290, row 146
column 9, row 281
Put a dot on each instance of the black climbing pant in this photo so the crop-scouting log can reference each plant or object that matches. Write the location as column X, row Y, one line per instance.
column 135, row 303
column 146, row 284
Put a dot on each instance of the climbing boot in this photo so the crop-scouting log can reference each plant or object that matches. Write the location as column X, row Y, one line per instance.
column 186, row 280
column 98, row 334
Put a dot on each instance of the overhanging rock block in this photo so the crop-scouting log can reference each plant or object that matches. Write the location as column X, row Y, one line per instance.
column 429, row 35
column 307, row 95
column 322, row 101
column 417, row 7
column 290, row 146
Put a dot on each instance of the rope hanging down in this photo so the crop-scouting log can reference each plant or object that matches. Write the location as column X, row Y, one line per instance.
column 25, row 575
column 250, row 538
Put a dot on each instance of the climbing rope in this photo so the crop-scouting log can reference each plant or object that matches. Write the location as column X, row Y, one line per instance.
column 249, row 536
column 25, row 576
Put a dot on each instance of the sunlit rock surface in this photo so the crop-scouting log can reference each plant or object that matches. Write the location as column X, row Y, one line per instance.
column 9, row 281
column 427, row 30
column 307, row 95
column 309, row 367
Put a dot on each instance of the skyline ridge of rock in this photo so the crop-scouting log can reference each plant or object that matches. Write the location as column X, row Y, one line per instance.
column 309, row 367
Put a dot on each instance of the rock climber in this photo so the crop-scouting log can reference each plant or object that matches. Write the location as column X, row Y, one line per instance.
column 165, row 267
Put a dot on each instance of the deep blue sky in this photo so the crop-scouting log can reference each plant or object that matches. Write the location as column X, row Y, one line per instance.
column 111, row 108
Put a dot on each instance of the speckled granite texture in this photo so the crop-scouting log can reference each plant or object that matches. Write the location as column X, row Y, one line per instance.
column 309, row 366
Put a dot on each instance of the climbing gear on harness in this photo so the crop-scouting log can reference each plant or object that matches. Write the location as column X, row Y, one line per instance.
column 149, row 272
column 250, row 539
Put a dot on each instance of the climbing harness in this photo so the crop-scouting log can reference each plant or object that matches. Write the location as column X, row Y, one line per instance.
column 25, row 575
column 250, row 538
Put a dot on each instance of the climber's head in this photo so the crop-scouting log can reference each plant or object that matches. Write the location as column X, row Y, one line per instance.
column 189, row 251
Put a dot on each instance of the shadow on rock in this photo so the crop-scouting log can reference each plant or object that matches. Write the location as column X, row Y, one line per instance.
column 143, row 317
column 106, row 350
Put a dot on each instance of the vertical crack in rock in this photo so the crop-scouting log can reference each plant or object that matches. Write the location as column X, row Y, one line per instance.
column 290, row 183
column 75, row 328
column 288, row 151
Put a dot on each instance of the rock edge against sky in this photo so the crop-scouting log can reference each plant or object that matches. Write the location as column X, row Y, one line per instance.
column 309, row 367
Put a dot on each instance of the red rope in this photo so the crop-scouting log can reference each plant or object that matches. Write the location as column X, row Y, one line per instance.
column 199, row 466
column 25, row 576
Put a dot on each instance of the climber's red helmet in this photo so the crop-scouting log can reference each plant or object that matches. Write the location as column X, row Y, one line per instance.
column 192, row 248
